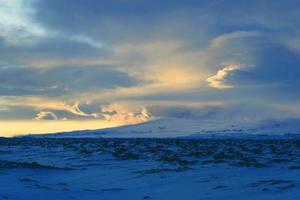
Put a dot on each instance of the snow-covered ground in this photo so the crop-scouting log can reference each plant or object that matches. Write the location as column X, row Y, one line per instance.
column 162, row 159
column 162, row 169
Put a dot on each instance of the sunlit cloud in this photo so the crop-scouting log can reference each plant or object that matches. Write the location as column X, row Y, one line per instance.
column 39, row 103
column 159, row 66
column 45, row 115
column 217, row 81
column 119, row 112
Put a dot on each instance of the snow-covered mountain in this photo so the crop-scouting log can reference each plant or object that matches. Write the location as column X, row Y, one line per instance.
column 164, row 128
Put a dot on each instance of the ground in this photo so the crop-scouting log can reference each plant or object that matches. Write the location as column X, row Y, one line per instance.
column 189, row 169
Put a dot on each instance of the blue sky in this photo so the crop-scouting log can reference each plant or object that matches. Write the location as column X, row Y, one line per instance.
column 125, row 61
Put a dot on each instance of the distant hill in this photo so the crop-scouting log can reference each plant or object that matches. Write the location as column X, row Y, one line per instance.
column 165, row 128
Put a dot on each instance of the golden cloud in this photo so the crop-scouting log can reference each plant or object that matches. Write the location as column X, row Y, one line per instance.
column 218, row 80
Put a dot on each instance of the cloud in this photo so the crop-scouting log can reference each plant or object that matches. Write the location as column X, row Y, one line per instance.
column 45, row 115
column 86, row 60
column 222, row 39
column 16, row 26
column 87, row 40
column 121, row 113
column 126, row 114
column 217, row 81
column 60, row 62
column 39, row 103
column 60, row 80
column 231, row 111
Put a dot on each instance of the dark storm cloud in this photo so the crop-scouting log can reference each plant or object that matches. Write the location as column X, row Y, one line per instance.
column 275, row 74
column 234, row 111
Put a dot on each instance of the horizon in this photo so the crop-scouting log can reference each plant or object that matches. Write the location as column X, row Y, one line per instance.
column 51, row 127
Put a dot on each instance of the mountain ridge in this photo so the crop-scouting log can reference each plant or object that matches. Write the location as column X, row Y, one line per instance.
column 187, row 128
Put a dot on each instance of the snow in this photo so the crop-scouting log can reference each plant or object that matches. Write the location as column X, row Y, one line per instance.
column 108, row 169
column 161, row 159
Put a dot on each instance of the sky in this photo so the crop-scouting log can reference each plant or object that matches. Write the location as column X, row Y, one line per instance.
column 86, row 64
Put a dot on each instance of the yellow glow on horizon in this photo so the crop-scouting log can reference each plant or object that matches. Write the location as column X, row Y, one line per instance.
column 14, row 128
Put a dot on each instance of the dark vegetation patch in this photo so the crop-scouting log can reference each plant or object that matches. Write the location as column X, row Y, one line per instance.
column 161, row 170
column 31, row 165
column 104, row 190
column 294, row 167
column 273, row 185
column 180, row 153
column 27, row 180
column 219, row 187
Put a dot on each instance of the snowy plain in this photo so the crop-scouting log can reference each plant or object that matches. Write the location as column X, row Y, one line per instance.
column 190, row 162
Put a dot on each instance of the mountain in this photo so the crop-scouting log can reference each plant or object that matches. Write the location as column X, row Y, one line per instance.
column 170, row 127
